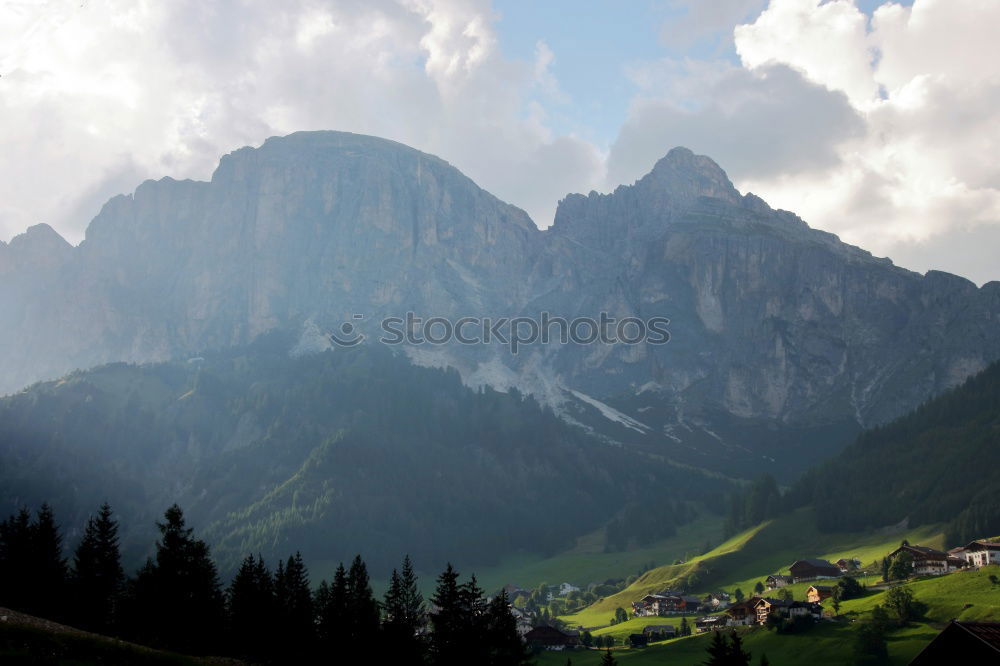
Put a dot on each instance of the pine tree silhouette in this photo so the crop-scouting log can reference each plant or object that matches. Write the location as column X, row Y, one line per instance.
column 97, row 578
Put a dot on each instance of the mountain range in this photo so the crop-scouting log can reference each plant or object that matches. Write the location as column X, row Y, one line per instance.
column 785, row 342
column 181, row 353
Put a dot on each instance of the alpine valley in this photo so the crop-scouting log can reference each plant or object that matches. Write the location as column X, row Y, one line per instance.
column 179, row 353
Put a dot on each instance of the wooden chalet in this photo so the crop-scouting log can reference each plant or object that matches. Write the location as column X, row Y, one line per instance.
column 550, row 638
column 962, row 642
column 926, row 561
column 813, row 569
column 776, row 581
column 710, row 623
column 743, row 613
column 817, row 593
column 660, row 631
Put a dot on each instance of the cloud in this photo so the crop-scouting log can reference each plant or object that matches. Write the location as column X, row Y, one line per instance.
column 921, row 183
column 96, row 97
column 761, row 124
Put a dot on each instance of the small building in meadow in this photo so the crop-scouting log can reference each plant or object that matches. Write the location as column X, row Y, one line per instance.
column 710, row 623
column 817, row 593
column 550, row 638
column 660, row 632
column 813, row 569
column 776, row 581
column 962, row 642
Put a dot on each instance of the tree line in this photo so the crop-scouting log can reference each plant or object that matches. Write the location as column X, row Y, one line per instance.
column 176, row 600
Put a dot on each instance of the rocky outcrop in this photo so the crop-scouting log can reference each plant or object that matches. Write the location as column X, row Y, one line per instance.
column 784, row 339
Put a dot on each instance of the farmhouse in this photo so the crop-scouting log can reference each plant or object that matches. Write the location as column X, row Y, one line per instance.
column 966, row 642
column 846, row 565
column 926, row 561
column 550, row 638
column 813, row 569
column 710, row 623
column 980, row 553
column 764, row 607
column 742, row 613
column 818, row 593
column 660, row 631
column 776, row 581
column 716, row 601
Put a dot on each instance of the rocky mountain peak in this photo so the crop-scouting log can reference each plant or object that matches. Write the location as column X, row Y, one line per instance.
column 681, row 176
column 40, row 246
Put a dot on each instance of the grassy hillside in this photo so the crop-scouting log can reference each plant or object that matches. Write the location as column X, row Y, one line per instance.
column 587, row 562
column 968, row 595
column 25, row 639
column 750, row 556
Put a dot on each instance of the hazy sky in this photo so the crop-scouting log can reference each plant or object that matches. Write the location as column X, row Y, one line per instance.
column 878, row 122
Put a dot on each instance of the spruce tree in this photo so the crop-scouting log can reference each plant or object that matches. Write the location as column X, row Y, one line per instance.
column 331, row 611
column 446, row 620
column 718, row 650
column 503, row 643
column 737, row 655
column 251, row 605
column 362, row 608
column 608, row 660
column 16, row 561
column 412, row 601
column 295, row 607
column 97, row 578
column 47, row 572
column 180, row 593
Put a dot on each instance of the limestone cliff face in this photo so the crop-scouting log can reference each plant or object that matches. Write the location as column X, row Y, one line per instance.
column 775, row 326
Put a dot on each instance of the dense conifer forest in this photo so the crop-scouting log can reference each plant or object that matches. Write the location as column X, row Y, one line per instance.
column 177, row 601
column 939, row 464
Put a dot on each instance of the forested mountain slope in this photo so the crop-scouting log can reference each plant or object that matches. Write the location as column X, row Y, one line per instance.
column 939, row 464
column 333, row 453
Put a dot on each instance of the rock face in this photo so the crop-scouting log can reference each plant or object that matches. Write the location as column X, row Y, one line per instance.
column 784, row 340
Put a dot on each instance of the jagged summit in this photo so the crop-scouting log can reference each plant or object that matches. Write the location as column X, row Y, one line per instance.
column 682, row 176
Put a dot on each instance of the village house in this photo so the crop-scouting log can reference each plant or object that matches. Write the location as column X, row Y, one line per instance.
column 688, row 604
column 716, row 601
column 566, row 588
column 776, row 581
column 980, row 553
column 965, row 642
column 659, row 632
column 813, row 569
column 515, row 591
column 652, row 605
column 550, row 638
column 926, row 561
column 523, row 619
column 764, row 608
column 846, row 565
column 710, row 623
column 818, row 593
column 742, row 613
